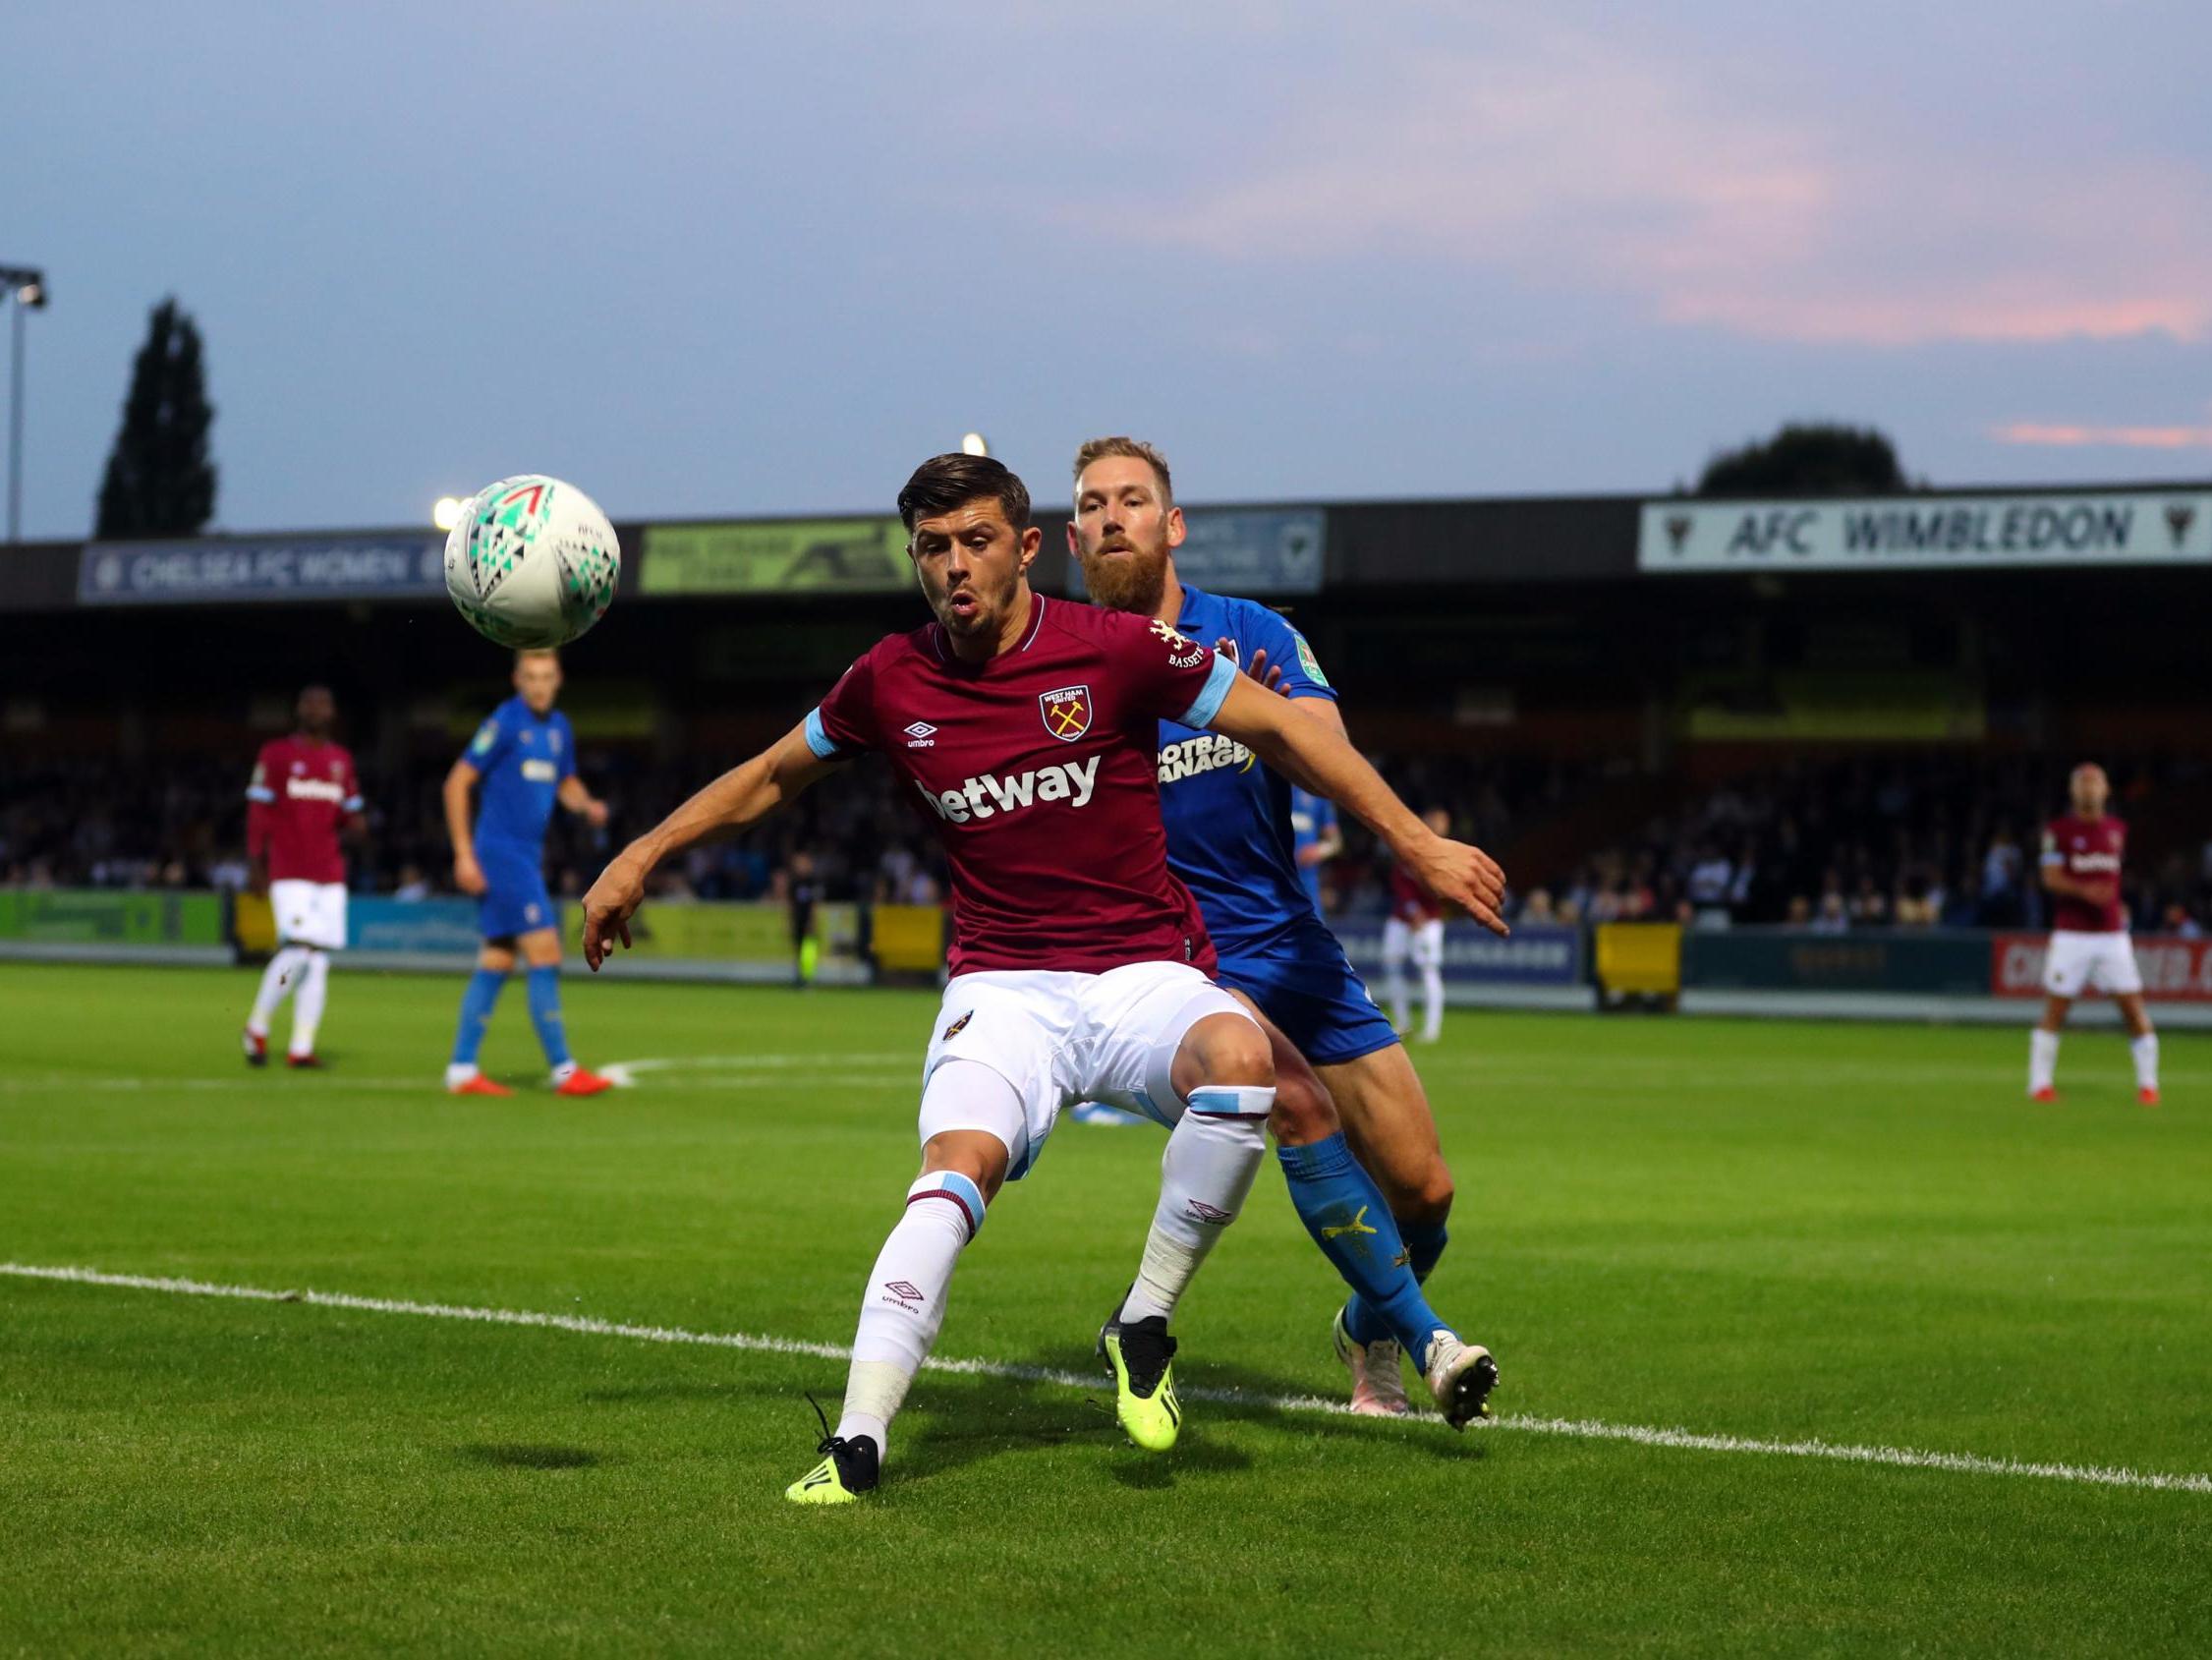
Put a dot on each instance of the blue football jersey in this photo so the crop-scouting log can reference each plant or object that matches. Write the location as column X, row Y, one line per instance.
column 523, row 759
column 1312, row 817
column 1230, row 832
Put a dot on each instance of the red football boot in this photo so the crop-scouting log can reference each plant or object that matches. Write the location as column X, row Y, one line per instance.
column 256, row 1048
column 303, row 1062
column 2046, row 1095
column 478, row 1085
column 2146, row 1097
column 583, row 1081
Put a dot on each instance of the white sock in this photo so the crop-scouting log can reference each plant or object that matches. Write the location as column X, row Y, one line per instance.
column 903, row 1308
column 2042, row 1058
column 2145, row 1050
column 1394, row 993
column 459, row 1072
column 277, row 980
column 1432, row 995
column 307, row 1004
column 1207, row 1170
column 562, row 1073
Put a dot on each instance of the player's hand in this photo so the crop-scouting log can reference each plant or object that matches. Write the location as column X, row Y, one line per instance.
column 1313, row 853
column 595, row 814
column 608, row 907
column 1463, row 876
column 1271, row 678
column 467, row 876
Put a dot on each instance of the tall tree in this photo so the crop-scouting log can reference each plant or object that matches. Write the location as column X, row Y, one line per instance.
column 159, row 479
column 1808, row 459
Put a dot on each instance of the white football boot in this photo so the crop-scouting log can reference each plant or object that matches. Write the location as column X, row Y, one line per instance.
column 1378, row 1376
column 1462, row 1376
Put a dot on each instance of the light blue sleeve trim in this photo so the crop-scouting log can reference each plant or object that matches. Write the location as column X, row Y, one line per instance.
column 818, row 737
column 258, row 792
column 352, row 804
column 1211, row 695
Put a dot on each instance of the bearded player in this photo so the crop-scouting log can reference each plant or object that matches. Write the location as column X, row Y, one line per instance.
column 521, row 761
column 302, row 795
column 1025, row 729
column 1358, row 1146
column 2089, row 943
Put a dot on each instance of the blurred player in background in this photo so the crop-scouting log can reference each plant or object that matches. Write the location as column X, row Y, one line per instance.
column 302, row 795
column 524, row 756
column 1315, row 837
column 1371, row 1186
column 1026, row 728
column 801, row 895
column 2083, row 853
column 1414, row 933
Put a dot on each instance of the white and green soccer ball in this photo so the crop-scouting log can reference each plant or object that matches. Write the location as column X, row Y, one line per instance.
column 532, row 562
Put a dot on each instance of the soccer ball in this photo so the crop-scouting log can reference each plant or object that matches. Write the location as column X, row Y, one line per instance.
column 532, row 562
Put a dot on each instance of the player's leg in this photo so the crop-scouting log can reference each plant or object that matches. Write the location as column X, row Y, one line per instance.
column 902, row 1309
column 1428, row 957
column 1397, row 944
column 495, row 960
column 2066, row 967
column 541, row 954
column 288, row 910
column 324, row 932
column 2117, row 972
column 1350, row 1221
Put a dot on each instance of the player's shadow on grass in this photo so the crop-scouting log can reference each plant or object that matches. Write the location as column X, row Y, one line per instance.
column 524, row 1456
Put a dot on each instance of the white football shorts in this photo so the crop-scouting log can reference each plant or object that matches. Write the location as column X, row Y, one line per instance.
column 1422, row 945
column 2103, row 962
column 1061, row 1038
column 310, row 913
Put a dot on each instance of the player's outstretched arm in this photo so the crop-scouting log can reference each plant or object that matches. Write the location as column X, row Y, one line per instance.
column 737, row 800
column 467, row 876
column 581, row 801
column 1311, row 753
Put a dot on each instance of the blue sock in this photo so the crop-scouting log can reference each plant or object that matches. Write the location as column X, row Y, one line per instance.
column 1424, row 1243
column 477, row 1004
column 1344, row 1209
column 545, row 1014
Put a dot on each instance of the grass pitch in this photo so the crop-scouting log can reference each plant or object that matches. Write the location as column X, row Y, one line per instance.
column 1775, row 1232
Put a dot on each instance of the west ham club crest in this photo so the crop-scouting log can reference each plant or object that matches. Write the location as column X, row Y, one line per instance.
column 1066, row 711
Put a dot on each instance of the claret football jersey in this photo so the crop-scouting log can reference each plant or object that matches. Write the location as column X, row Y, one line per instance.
column 2090, row 850
column 1037, row 770
column 301, row 793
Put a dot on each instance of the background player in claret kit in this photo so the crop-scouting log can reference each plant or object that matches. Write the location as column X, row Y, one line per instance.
column 2082, row 854
column 302, row 795
column 524, row 756
column 1026, row 730
column 1414, row 933
column 1370, row 1184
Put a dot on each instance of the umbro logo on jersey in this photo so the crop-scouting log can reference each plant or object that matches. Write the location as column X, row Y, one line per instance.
column 978, row 798
column 921, row 735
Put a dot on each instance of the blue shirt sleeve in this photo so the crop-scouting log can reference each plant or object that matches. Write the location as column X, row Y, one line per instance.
column 1287, row 649
column 490, row 745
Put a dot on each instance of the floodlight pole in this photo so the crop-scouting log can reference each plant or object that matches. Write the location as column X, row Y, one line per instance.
column 15, row 421
column 23, row 287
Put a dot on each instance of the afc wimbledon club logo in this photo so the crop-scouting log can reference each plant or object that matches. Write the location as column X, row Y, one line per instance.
column 1066, row 711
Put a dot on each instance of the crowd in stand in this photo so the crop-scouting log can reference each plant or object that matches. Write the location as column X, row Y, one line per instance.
column 1901, row 841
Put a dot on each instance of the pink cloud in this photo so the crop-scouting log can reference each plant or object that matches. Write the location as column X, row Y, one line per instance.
column 1579, row 161
column 2121, row 437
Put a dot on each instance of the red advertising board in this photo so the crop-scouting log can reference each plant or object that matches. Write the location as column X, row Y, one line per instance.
column 2174, row 970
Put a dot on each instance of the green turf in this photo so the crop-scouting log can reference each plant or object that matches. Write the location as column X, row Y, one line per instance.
column 1778, row 1230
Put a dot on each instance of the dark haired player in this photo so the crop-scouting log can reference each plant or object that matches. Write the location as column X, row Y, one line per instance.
column 303, row 796
column 1025, row 729
column 2083, row 853
column 1357, row 1144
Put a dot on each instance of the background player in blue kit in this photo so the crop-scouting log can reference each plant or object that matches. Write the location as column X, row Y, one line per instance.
column 1315, row 837
column 1358, row 1144
column 525, row 757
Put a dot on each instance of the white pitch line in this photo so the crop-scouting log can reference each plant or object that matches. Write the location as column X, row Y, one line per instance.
column 1579, row 1429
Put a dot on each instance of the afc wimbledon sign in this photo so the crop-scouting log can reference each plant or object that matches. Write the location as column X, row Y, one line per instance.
column 1927, row 532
